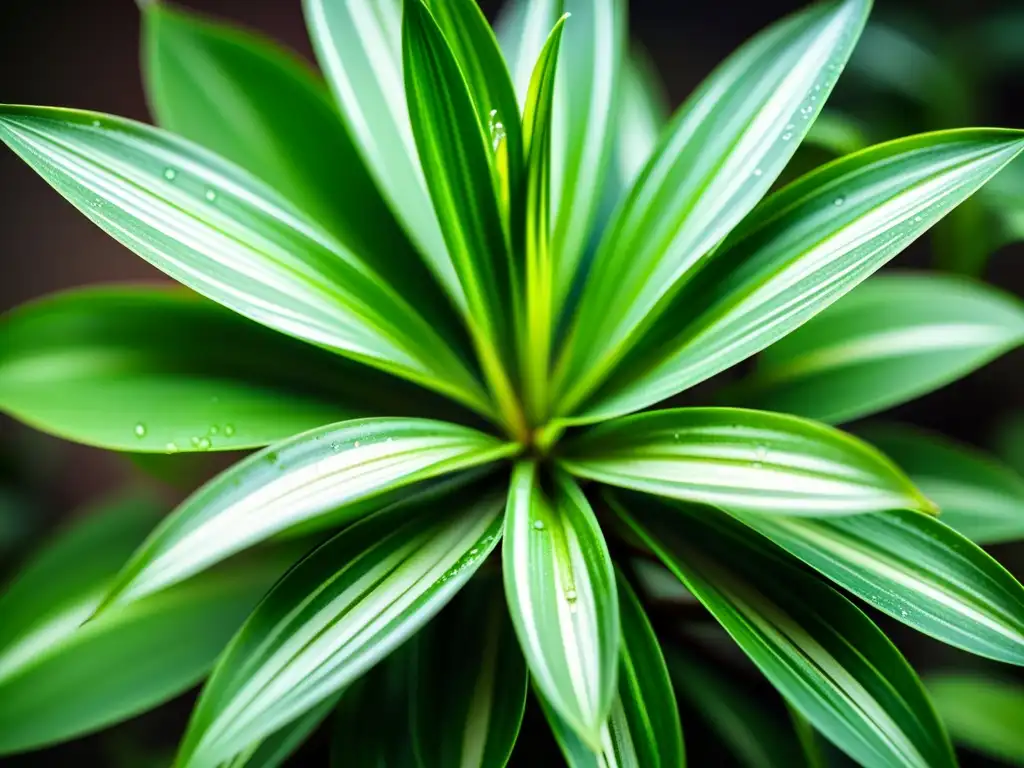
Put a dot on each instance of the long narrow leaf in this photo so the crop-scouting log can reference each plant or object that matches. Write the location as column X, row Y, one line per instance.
column 321, row 478
column 339, row 612
column 561, row 593
column 469, row 682
column 119, row 367
column 745, row 460
column 823, row 655
column 894, row 338
column 358, row 45
column 726, row 146
column 220, row 231
column 978, row 496
column 272, row 751
column 798, row 252
column 917, row 570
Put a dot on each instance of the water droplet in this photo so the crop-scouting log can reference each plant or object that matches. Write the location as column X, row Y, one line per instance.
column 790, row 127
column 758, row 172
column 229, row 429
column 473, row 552
column 335, row 447
column 140, row 430
column 214, row 429
column 570, row 595
column 355, row 444
column 817, row 86
column 903, row 613
column 675, row 436
column 538, row 525
column 839, row 200
column 787, row 136
column 95, row 123
column 917, row 219
column 211, row 195
column 390, row 440
column 497, row 129
column 204, row 444
column 171, row 447
column 195, row 442
column 170, row 174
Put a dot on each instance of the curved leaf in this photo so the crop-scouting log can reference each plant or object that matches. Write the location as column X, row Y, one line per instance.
column 561, row 593
column 454, row 152
column 119, row 367
column 829, row 660
column 798, row 252
column 62, row 675
column 981, row 712
column 917, row 570
column 978, row 496
column 318, row 479
column 221, row 232
column 358, row 45
column 743, row 460
column 469, row 682
column 726, row 146
column 894, row 338
column 272, row 751
column 522, row 28
column 337, row 613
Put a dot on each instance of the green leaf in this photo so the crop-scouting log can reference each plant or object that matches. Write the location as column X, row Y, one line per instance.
column 337, row 613
column 828, row 660
column 469, row 682
column 119, row 367
column 63, row 674
column 358, row 45
column 246, row 248
column 979, row 497
column 981, row 712
column 743, row 460
column 561, row 593
column 798, row 252
column 915, row 569
column 272, row 751
column 893, row 339
column 725, row 147
column 585, row 113
column 538, row 277
column 740, row 721
column 261, row 107
column 523, row 27
column 455, row 154
column 321, row 478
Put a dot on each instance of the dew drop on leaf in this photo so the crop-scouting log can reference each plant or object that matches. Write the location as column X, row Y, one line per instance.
column 214, row 429
column 538, row 525
column 95, row 123
column 355, row 444
column 787, row 136
column 170, row 174
column 140, row 430
column 839, row 201
column 570, row 595
column 229, row 430
column 211, row 195
column 171, row 447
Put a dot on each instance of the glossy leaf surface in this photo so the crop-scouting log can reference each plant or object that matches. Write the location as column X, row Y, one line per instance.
column 743, row 460
column 561, row 593
column 798, row 252
column 338, row 612
column 63, row 675
column 823, row 655
column 319, row 479
column 980, row 497
column 218, row 230
column 725, row 147
column 892, row 339
column 468, row 682
column 983, row 713
column 120, row 367
column 917, row 570
column 272, row 751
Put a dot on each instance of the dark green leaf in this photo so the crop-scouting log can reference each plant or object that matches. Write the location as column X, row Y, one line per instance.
column 892, row 339
column 337, row 613
column 823, row 655
column 981, row 712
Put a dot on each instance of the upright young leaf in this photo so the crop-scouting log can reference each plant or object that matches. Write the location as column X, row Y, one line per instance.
column 917, row 570
column 982, row 712
column 119, row 367
column 522, row 28
column 454, row 151
column 218, row 230
column 63, row 674
column 358, row 45
column 824, row 656
column 261, row 107
column 798, row 252
column 325, row 477
column 726, row 146
column 743, row 460
column 979, row 497
column 585, row 112
column 337, row 613
column 561, row 594
column 894, row 338
column 538, row 276
column 468, row 682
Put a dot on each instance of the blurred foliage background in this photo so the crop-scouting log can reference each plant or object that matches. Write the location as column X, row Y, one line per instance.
column 922, row 65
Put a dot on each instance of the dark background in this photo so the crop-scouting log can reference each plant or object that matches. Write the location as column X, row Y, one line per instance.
column 84, row 54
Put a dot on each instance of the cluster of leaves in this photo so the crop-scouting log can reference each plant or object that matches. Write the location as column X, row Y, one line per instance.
column 445, row 305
